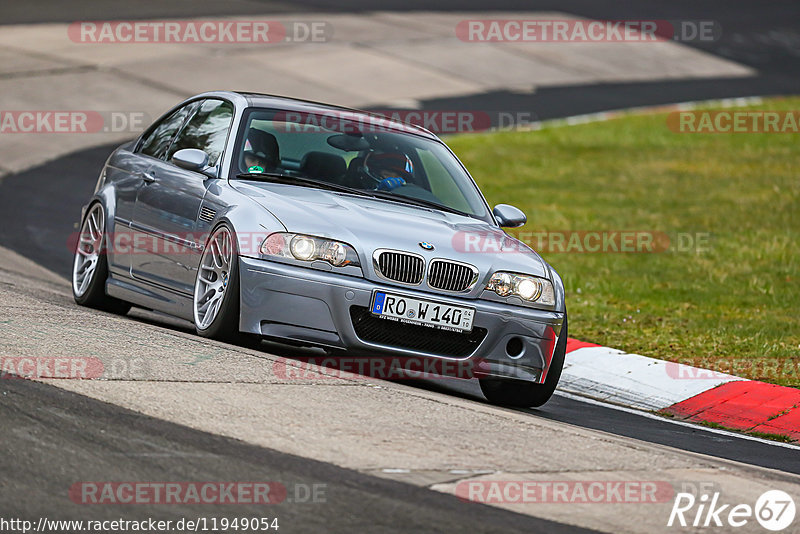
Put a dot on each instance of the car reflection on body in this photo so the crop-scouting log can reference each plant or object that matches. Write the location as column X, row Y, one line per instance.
column 317, row 225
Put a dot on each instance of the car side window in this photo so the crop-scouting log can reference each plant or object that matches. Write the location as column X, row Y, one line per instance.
column 157, row 141
column 207, row 130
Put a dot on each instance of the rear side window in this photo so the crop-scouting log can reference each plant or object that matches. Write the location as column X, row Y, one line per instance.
column 207, row 130
column 157, row 141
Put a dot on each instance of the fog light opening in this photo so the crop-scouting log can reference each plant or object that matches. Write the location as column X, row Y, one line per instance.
column 514, row 347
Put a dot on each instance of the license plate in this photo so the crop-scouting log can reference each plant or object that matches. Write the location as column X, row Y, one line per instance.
column 422, row 312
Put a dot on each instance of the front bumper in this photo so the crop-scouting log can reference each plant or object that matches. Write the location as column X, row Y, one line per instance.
column 316, row 307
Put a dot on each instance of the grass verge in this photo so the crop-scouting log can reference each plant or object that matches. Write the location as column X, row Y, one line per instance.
column 733, row 303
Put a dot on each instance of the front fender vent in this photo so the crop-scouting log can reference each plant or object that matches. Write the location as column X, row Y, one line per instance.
column 207, row 214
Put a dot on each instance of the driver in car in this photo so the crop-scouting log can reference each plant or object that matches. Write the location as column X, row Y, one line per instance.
column 389, row 169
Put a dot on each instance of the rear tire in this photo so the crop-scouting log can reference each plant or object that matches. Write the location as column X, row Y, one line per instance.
column 522, row 394
column 90, row 266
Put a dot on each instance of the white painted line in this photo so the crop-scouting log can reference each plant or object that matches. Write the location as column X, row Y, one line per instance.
column 695, row 426
column 633, row 380
column 601, row 116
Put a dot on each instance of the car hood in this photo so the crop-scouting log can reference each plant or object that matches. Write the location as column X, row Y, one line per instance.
column 369, row 224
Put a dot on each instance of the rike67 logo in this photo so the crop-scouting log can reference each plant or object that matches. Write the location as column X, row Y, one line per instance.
column 774, row 510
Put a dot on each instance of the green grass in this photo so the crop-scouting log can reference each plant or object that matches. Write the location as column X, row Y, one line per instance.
column 735, row 306
column 773, row 437
column 763, row 435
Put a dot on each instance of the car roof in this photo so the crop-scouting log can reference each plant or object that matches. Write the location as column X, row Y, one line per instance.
column 309, row 106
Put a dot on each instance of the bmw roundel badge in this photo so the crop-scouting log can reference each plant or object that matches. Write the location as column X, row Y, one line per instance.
column 425, row 245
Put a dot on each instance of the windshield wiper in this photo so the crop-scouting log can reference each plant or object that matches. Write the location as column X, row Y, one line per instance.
column 286, row 178
column 417, row 202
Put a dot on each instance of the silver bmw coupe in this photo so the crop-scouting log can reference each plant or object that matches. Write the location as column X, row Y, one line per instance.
column 317, row 225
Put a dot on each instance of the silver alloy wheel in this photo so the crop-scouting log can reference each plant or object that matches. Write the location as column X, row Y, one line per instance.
column 87, row 253
column 212, row 278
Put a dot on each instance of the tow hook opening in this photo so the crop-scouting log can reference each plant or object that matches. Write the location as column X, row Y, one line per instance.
column 514, row 347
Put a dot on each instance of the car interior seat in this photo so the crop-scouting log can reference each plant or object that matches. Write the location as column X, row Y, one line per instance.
column 266, row 145
column 353, row 176
column 323, row 166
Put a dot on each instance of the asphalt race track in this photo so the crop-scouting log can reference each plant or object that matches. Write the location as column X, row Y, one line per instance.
column 32, row 227
column 45, row 427
column 765, row 39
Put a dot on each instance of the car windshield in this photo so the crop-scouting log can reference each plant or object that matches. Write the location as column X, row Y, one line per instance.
column 356, row 152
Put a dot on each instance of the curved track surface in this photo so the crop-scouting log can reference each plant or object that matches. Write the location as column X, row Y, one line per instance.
column 173, row 407
column 763, row 36
column 40, row 209
column 92, row 441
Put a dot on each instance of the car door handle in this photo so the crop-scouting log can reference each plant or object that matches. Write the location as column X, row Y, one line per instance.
column 148, row 177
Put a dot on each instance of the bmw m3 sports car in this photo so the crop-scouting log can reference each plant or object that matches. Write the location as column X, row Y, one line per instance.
column 323, row 226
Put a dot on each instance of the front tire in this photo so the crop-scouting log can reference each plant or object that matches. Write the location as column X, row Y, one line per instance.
column 216, row 288
column 90, row 266
column 527, row 394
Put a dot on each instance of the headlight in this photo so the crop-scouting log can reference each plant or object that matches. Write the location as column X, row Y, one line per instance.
column 303, row 248
column 309, row 248
column 528, row 288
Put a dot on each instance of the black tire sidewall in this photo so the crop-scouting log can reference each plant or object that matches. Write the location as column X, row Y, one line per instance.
column 521, row 394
